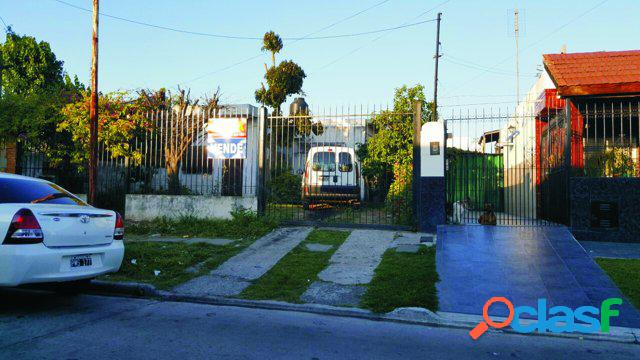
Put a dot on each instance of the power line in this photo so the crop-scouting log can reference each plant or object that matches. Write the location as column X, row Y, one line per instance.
column 374, row 40
column 290, row 43
column 484, row 103
column 476, row 96
column 5, row 24
column 238, row 37
column 471, row 65
column 534, row 43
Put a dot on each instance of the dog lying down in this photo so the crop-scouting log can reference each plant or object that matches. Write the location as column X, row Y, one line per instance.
column 488, row 217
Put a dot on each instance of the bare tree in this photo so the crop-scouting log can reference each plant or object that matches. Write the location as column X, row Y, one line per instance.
column 179, row 133
column 212, row 102
column 183, row 129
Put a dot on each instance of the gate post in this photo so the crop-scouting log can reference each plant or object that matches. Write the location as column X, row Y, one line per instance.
column 432, row 188
column 260, row 190
column 417, row 127
column 568, row 163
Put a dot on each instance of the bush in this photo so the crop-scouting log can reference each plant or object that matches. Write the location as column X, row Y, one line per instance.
column 284, row 187
column 400, row 196
column 610, row 163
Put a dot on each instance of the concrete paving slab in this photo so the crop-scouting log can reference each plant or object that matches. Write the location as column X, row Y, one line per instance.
column 333, row 294
column 357, row 258
column 265, row 252
column 411, row 248
column 318, row 247
column 412, row 238
column 236, row 274
column 213, row 285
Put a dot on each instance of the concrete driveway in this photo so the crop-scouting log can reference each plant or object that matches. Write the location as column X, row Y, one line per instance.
column 522, row 264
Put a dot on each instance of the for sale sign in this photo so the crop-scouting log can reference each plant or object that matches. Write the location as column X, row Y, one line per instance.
column 227, row 138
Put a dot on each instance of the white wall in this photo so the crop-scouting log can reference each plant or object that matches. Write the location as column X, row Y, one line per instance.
column 519, row 154
column 149, row 207
column 431, row 165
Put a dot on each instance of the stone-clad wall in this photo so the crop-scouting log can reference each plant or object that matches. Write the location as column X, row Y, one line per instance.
column 432, row 203
column 624, row 191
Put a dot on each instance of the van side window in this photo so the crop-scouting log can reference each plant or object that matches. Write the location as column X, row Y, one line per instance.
column 324, row 161
column 344, row 162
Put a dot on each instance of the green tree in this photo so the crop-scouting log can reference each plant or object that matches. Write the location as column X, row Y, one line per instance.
column 28, row 66
column 273, row 43
column 387, row 156
column 282, row 80
column 120, row 120
column 392, row 142
column 34, row 90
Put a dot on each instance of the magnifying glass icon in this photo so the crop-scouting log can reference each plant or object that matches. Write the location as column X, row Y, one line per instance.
column 484, row 325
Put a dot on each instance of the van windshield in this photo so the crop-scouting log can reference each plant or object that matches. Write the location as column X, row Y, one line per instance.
column 324, row 161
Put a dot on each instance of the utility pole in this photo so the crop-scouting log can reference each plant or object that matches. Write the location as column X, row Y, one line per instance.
column 435, row 81
column 93, row 112
column 516, row 27
column 1, row 69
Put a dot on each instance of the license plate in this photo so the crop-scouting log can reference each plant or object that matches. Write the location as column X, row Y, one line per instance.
column 81, row 261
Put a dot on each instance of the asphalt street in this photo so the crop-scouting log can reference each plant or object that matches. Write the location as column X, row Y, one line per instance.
column 44, row 325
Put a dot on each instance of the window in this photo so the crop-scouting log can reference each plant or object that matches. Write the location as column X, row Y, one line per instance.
column 22, row 191
column 344, row 162
column 324, row 161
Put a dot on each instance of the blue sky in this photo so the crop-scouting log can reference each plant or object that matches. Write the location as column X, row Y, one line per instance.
column 355, row 70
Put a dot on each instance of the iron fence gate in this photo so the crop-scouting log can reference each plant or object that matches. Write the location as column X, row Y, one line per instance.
column 506, row 168
column 327, row 167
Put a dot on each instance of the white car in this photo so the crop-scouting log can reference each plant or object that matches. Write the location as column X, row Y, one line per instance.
column 48, row 235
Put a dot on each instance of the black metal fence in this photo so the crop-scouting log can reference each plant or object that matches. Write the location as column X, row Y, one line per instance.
column 324, row 167
column 318, row 167
column 515, row 168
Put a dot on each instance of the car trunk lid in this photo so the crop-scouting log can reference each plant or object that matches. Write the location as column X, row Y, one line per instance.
column 70, row 225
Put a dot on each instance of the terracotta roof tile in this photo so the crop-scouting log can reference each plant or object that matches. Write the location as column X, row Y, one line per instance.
column 595, row 73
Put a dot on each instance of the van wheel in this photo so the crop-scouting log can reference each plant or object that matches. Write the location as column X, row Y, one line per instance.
column 305, row 204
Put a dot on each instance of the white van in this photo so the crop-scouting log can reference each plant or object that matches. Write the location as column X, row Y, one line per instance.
column 332, row 174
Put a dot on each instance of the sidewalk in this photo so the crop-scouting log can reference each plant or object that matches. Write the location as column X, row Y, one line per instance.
column 350, row 267
column 236, row 274
column 341, row 283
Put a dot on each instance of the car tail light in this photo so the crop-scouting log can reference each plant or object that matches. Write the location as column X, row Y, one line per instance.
column 24, row 229
column 118, row 232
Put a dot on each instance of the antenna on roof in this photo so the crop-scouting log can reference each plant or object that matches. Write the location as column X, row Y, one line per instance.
column 516, row 25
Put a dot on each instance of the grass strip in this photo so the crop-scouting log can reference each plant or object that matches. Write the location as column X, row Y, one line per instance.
column 626, row 274
column 142, row 259
column 293, row 274
column 242, row 225
column 403, row 280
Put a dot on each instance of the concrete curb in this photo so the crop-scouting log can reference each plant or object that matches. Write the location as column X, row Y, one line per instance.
column 412, row 316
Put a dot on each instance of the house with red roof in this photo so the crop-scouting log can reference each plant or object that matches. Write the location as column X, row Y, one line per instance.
column 588, row 143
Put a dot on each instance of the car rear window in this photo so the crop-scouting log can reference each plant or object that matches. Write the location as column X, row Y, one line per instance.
column 324, row 161
column 23, row 191
column 344, row 162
